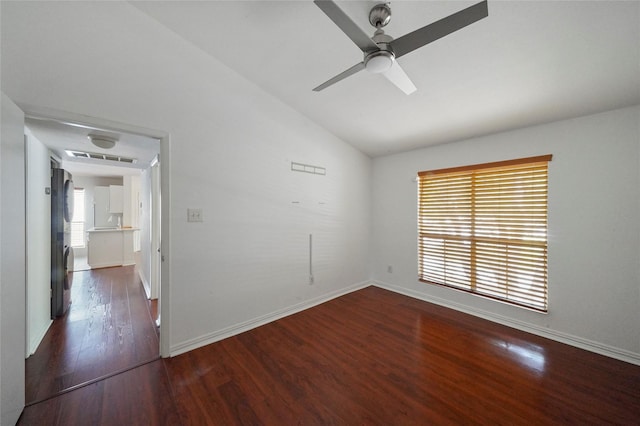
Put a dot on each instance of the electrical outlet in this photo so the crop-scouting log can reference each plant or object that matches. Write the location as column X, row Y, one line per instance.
column 390, row 269
column 194, row 215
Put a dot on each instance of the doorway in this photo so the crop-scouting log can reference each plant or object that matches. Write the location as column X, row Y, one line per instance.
column 92, row 286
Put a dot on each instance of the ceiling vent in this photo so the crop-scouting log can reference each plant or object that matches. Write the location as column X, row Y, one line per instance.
column 98, row 156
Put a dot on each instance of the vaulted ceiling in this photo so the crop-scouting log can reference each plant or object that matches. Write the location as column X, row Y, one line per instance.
column 527, row 63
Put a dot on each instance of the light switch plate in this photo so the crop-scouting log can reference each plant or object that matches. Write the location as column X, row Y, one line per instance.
column 194, row 215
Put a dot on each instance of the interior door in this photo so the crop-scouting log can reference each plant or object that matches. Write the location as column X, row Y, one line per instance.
column 12, row 262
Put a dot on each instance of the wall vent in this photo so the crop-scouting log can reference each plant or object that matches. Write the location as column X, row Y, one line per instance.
column 98, row 156
column 307, row 168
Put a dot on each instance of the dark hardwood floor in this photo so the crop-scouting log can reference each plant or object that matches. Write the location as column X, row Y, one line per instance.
column 369, row 357
column 140, row 396
column 108, row 328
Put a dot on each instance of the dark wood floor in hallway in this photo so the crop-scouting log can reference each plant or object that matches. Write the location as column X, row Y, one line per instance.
column 108, row 328
column 371, row 357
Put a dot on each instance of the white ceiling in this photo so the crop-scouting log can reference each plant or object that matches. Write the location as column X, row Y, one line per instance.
column 59, row 137
column 527, row 63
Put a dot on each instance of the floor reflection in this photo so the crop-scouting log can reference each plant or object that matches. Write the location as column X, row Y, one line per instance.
column 530, row 356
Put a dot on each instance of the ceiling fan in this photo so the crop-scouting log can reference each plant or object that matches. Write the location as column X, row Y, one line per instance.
column 381, row 51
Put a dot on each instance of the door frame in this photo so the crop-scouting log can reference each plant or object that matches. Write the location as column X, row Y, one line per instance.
column 64, row 117
column 156, row 232
column 14, row 261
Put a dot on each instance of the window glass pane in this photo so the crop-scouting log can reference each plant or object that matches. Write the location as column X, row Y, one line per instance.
column 78, row 205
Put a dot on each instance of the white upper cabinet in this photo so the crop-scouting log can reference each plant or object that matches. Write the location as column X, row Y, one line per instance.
column 115, row 199
column 101, row 207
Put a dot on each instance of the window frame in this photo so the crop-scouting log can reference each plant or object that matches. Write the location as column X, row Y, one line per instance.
column 458, row 269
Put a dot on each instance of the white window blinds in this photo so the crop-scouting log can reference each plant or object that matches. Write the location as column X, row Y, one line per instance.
column 78, row 220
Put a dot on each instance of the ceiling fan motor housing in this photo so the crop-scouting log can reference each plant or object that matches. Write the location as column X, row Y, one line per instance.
column 380, row 15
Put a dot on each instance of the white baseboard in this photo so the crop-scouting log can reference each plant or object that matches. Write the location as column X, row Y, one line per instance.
column 569, row 339
column 209, row 338
column 105, row 265
column 37, row 339
column 145, row 284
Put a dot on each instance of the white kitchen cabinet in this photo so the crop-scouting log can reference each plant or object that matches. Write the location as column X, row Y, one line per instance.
column 101, row 207
column 116, row 204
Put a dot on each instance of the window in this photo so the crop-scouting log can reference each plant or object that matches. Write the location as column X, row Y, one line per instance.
column 77, row 221
column 483, row 229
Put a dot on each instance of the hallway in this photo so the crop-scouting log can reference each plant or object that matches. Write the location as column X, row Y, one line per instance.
column 107, row 329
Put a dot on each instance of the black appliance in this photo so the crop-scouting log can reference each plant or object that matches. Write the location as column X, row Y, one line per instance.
column 61, row 251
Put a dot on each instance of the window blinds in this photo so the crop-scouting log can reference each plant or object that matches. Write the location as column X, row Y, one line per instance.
column 483, row 229
column 78, row 220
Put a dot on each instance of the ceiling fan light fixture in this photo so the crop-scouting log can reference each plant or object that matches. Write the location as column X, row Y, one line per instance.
column 104, row 142
column 379, row 62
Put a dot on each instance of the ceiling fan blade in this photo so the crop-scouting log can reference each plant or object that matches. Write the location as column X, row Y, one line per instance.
column 359, row 37
column 432, row 32
column 344, row 74
column 397, row 76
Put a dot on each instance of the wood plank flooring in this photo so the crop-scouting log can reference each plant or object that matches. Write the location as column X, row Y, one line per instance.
column 137, row 397
column 108, row 328
column 370, row 357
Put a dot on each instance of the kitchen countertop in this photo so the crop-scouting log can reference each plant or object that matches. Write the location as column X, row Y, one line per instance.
column 112, row 229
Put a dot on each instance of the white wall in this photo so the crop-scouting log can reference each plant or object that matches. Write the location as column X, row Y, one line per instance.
column 594, row 229
column 12, row 262
column 38, row 177
column 130, row 195
column 231, row 148
column 126, row 200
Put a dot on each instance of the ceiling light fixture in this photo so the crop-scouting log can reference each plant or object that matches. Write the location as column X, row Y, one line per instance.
column 378, row 62
column 104, row 142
